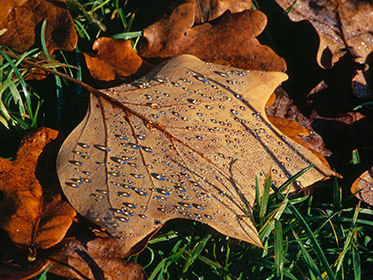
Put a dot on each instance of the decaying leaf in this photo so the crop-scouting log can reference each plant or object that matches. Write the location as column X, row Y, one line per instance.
column 187, row 141
column 230, row 41
column 364, row 184
column 21, row 21
column 208, row 10
column 343, row 26
column 99, row 257
column 26, row 217
column 114, row 59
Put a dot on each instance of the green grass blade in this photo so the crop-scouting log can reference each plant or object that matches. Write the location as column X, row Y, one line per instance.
column 127, row 35
column 313, row 269
column 316, row 246
column 264, row 199
column 279, row 250
column 197, row 250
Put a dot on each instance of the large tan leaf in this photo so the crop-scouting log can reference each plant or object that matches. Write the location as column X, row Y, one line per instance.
column 187, row 141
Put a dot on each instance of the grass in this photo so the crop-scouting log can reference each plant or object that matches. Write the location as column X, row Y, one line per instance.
column 303, row 237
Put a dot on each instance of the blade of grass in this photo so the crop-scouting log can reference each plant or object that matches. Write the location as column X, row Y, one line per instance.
column 317, row 248
column 312, row 267
column 197, row 250
column 278, row 245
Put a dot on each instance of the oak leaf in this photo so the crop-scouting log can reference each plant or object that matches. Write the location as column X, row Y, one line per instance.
column 98, row 257
column 28, row 217
column 363, row 187
column 114, row 59
column 208, row 10
column 186, row 141
column 20, row 21
column 343, row 27
column 229, row 41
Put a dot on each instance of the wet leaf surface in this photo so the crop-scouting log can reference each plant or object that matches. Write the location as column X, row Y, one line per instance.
column 93, row 255
column 343, row 27
column 114, row 59
column 364, row 186
column 22, row 21
column 28, row 217
column 187, row 141
column 231, row 40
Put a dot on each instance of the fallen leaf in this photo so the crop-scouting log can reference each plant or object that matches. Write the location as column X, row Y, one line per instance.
column 114, row 59
column 342, row 26
column 22, row 20
column 187, row 141
column 27, row 217
column 230, row 41
column 208, row 10
column 97, row 257
column 293, row 130
column 364, row 184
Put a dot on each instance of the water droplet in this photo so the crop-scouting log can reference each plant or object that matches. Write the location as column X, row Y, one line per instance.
column 208, row 107
column 115, row 174
column 86, row 173
column 130, row 205
column 147, row 149
column 75, row 162
column 199, row 138
column 140, row 191
column 123, row 194
column 160, row 177
column 102, row 191
column 138, row 176
column 186, row 205
column 143, row 216
column 199, row 206
column 84, row 145
column 122, row 219
column 73, row 185
column 155, row 116
column 96, row 196
column 102, row 147
column 118, row 160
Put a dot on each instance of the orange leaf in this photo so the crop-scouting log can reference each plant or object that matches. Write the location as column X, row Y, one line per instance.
column 21, row 19
column 208, row 10
column 99, row 256
column 114, row 59
column 229, row 41
column 26, row 216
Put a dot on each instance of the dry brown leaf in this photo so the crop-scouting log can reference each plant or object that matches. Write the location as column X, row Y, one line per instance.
column 343, row 27
column 25, row 217
column 293, row 130
column 364, row 184
column 114, row 59
column 98, row 257
column 21, row 19
column 187, row 141
column 230, row 41
column 208, row 10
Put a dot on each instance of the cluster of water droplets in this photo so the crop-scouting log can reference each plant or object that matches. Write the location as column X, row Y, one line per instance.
column 190, row 147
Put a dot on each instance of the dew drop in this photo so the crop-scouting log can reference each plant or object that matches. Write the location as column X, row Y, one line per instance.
column 143, row 216
column 122, row 219
column 102, row 147
column 75, row 162
column 115, row 174
column 123, row 194
column 84, row 145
